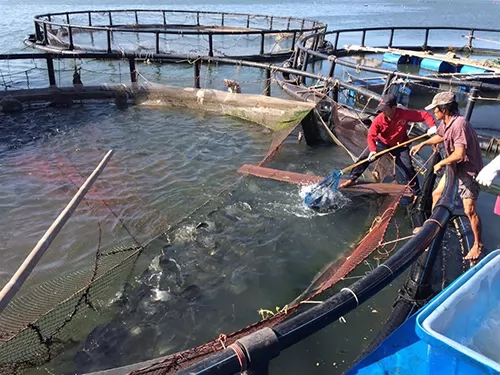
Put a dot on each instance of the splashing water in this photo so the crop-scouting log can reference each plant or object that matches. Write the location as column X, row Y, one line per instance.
column 317, row 197
column 327, row 200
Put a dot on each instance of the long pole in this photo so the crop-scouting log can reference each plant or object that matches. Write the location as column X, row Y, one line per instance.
column 385, row 152
column 15, row 283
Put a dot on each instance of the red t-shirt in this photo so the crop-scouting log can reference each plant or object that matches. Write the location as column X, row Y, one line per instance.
column 393, row 132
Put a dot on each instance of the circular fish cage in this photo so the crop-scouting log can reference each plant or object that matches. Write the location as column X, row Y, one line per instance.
column 423, row 63
column 335, row 306
column 180, row 33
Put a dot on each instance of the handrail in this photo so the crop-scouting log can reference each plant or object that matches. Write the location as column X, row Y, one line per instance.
column 175, row 11
column 263, row 26
column 316, row 25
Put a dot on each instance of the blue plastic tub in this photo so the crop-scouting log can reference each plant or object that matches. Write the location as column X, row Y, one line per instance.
column 459, row 325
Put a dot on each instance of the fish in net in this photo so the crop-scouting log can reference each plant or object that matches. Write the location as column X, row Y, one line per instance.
column 39, row 324
column 329, row 277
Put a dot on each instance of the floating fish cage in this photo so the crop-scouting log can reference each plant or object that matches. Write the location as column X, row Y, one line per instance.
column 179, row 33
column 425, row 68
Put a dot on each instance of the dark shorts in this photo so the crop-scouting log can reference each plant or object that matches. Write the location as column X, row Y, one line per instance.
column 468, row 187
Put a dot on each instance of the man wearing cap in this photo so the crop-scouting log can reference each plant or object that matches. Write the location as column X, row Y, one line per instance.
column 387, row 130
column 463, row 150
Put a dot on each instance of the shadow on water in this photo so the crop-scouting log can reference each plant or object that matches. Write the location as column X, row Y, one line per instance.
column 30, row 126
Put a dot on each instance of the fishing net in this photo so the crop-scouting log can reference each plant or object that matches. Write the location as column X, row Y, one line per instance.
column 49, row 312
column 73, row 286
column 178, row 33
column 332, row 274
column 44, row 315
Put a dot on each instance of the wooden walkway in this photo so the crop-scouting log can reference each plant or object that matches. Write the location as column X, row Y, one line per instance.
column 306, row 179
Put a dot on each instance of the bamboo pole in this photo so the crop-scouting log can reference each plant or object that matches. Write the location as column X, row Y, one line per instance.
column 12, row 287
column 383, row 152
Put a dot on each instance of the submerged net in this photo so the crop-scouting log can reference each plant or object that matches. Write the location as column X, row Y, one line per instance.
column 44, row 315
column 330, row 276
column 48, row 313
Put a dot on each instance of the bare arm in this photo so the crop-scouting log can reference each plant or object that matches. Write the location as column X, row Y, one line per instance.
column 419, row 116
column 457, row 155
column 434, row 140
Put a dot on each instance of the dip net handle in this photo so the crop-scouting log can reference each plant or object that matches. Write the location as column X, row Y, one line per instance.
column 11, row 288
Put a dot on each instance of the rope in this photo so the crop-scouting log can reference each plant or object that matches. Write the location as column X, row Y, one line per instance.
column 354, row 294
column 386, row 266
column 242, row 359
column 482, row 39
column 397, row 240
column 434, row 221
column 487, row 99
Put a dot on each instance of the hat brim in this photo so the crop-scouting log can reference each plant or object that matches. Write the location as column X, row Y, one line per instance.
column 382, row 107
column 431, row 106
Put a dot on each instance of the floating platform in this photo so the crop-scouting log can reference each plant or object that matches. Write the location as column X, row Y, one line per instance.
column 306, row 179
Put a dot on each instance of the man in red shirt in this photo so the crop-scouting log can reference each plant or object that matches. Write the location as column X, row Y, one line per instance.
column 463, row 150
column 387, row 130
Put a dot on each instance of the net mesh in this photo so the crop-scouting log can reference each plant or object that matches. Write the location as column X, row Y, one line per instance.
column 48, row 312
column 46, row 315
column 178, row 32
column 350, row 128
column 328, row 278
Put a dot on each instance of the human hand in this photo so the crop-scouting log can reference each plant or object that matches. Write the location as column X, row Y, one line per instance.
column 371, row 156
column 437, row 167
column 415, row 149
column 432, row 131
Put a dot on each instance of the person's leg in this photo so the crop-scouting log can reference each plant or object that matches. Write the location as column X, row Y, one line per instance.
column 403, row 161
column 438, row 191
column 356, row 172
column 468, row 188
column 475, row 223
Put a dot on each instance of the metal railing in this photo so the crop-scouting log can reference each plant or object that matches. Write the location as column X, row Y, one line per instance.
column 289, row 26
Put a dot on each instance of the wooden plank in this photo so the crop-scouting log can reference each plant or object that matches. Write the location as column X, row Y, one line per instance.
column 306, row 179
column 424, row 55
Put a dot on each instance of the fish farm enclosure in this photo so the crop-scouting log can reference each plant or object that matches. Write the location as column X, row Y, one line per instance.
column 144, row 275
